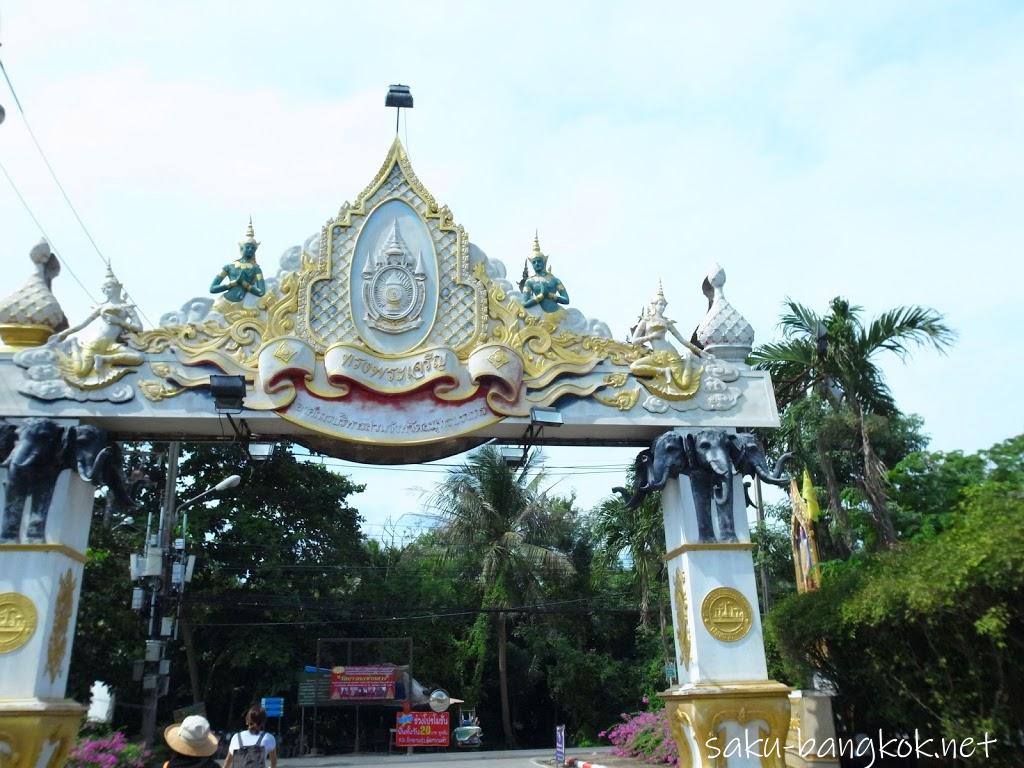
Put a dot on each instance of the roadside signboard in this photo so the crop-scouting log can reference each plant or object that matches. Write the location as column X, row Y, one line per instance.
column 314, row 688
column 349, row 683
column 273, row 705
column 422, row 729
column 559, row 745
column 670, row 671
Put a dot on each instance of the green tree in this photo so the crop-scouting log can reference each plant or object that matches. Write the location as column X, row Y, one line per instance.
column 283, row 549
column 486, row 508
column 639, row 535
column 928, row 635
column 835, row 356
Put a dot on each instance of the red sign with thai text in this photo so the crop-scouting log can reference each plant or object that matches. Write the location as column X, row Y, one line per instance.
column 422, row 729
column 362, row 683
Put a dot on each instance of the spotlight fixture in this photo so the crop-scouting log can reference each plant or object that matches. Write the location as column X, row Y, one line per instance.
column 260, row 451
column 513, row 455
column 545, row 417
column 399, row 96
column 228, row 393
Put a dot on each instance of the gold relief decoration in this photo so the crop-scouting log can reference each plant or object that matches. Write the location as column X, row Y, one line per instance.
column 25, row 731
column 17, row 621
column 56, row 647
column 726, row 614
column 322, row 334
column 233, row 346
column 498, row 358
column 682, row 616
column 624, row 400
column 677, row 725
column 285, row 353
column 704, row 711
column 156, row 390
column 616, row 379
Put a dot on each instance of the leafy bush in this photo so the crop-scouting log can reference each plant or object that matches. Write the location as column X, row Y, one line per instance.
column 111, row 751
column 644, row 735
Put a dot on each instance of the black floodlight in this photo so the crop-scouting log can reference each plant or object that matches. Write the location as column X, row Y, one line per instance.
column 228, row 393
column 398, row 96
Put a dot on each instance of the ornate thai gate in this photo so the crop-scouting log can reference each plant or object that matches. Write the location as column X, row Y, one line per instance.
column 387, row 337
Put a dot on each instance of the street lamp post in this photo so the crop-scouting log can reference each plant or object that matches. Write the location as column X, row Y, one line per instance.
column 173, row 569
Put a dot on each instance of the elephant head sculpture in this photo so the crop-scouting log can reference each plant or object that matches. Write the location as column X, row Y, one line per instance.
column 710, row 458
column 99, row 462
column 41, row 451
column 654, row 466
column 749, row 459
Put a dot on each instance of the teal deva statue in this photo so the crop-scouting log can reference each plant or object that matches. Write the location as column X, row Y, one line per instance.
column 243, row 274
column 542, row 288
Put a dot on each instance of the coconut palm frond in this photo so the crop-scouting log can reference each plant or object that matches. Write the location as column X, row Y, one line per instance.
column 900, row 328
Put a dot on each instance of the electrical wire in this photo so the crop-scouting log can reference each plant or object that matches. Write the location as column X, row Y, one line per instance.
column 42, row 231
column 63, row 192
column 539, row 609
column 53, row 174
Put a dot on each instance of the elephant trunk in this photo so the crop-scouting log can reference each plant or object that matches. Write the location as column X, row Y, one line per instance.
column 640, row 488
column 775, row 477
column 91, row 472
column 723, row 490
column 657, row 478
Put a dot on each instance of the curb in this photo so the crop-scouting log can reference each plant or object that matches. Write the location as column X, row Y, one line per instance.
column 575, row 762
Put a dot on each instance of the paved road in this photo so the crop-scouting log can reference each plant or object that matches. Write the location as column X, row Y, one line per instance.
column 520, row 758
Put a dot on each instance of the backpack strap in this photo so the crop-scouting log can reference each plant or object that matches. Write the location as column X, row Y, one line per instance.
column 260, row 739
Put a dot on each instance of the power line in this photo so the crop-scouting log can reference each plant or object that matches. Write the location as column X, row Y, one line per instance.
column 42, row 231
column 53, row 174
column 539, row 609
column 63, row 192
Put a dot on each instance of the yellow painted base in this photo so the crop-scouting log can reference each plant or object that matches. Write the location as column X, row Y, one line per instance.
column 698, row 715
column 15, row 337
column 36, row 730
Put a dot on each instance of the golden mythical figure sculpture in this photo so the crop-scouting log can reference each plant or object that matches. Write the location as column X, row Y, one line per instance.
column 668, row 373
column 96, row 359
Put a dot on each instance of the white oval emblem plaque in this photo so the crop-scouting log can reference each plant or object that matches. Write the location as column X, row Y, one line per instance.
column 394, row 279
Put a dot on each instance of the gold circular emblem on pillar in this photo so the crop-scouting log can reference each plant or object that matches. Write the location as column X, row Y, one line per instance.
column 727, row 614
column 17, row 621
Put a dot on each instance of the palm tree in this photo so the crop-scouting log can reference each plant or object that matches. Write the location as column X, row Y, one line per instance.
column 835, row 357
column 495, row 513
column 639, row 534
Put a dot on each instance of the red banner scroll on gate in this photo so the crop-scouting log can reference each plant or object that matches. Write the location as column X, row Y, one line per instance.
column 362, row 683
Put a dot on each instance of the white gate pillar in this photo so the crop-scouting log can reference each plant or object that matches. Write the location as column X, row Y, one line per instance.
column 724, row 711
column 40, row 581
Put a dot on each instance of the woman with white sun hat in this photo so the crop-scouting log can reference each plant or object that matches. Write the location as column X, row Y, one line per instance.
column 192, row 742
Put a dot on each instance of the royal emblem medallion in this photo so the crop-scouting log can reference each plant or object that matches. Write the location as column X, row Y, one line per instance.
column 394, row 286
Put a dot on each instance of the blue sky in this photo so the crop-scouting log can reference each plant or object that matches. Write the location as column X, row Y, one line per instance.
column 869, row 149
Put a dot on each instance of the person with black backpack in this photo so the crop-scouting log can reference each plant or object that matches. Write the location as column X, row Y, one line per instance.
column 252, row 747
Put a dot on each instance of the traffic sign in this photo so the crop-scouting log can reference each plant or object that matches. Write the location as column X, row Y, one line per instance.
column 273, row 705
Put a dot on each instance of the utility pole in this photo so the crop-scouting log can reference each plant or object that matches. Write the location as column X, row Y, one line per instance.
column 156, row 668
column 759, row 506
